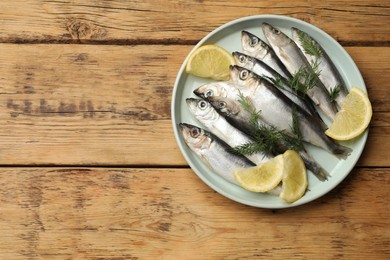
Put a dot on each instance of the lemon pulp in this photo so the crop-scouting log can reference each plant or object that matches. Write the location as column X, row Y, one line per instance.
column 353, row 118
column 261, row 178
column 210, row 61
column 294, row 177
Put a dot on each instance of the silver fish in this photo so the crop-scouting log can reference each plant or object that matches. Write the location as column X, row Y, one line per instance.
column 219, row 88
column 276, row 110
column 213, row 151
column 329, row 75
column 217, row 124
column 255, row 47
column 265, row 71
column 234, row 113
column 294, row 60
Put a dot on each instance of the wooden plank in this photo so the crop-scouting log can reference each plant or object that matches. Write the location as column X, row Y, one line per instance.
column 178, row 21
column 75, row 104
column 374, row 69
column 88, row 105
column 170, row 213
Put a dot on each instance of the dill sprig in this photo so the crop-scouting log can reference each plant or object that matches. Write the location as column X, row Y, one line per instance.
column 249, row 148
column 334, row 92
column 248, row 106
column 306, row 78
column 278, row 81
column 245, row 103
column 267, row 139
column 302, row 81
column 309, row 45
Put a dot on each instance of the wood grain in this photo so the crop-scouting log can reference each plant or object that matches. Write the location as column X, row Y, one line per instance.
column 177, row 21
column 169, row 213
column 110, row 105
column 86, row 84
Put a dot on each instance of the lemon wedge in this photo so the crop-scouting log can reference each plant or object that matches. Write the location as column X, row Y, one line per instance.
column 353, row 118
column 294, row 182
column 210, row 61
column 261, row 178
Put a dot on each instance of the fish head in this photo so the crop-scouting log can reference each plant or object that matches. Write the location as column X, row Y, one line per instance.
column 243, row 60
column 253, row 45
column 222, row 88
column 226, row 106
column 195, row 137
column 243, row 78
column 202, row 110
column 275, row 36
column 295, row 32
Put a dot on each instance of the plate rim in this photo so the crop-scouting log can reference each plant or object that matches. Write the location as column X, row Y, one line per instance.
column 194, row 168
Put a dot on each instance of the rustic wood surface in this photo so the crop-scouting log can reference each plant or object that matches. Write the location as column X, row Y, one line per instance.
column 89, row 167
column 139, row 213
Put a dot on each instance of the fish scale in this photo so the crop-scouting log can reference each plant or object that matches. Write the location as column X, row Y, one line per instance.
column 275, row 108
column 294, row 60
column 234, row 113
column 217, row 124
column 213, row 151
column 262, row 69
column 257, row 48
column 328, row 74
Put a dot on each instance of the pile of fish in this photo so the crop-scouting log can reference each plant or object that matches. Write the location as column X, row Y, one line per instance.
column 226, row 123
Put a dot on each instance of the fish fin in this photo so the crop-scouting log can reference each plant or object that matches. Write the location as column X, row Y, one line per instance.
column 323, row 125
column 342, row 152
column 314, row 167
column 205, row 161
column 320, row 173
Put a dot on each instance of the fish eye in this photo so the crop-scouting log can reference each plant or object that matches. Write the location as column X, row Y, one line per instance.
column 244, row 74
column 195, row 132
column 277, row 31
column 254, row 41
column 208, row 93
column 241, row 58
column 222, row 104
column 202, row 104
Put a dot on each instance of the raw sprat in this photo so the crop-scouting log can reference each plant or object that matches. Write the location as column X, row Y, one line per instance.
column 271, row 99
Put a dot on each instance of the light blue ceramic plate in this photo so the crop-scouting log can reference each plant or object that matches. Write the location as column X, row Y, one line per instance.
column 229, row 36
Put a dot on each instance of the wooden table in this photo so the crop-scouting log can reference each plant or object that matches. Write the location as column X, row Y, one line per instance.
column 89, row 165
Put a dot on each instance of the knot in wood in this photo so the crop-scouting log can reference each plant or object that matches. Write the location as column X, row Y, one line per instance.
column 80, row 29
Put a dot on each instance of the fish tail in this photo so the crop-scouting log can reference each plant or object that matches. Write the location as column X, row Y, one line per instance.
column 319, row 172
column 341, row 152
column 314, row 167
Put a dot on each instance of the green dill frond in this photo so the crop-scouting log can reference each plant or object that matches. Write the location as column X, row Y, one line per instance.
column 304, row 79
column 334, row 92
column 309, row 45
column 278, row 81
column 311, row 74
column 249, row 149
column 245, row 103
column 267, row 139
column 315, row 65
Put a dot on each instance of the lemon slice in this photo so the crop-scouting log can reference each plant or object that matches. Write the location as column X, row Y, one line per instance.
column 210, row 61
column 353, row 118
column 294, row 177
column 261, row 178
